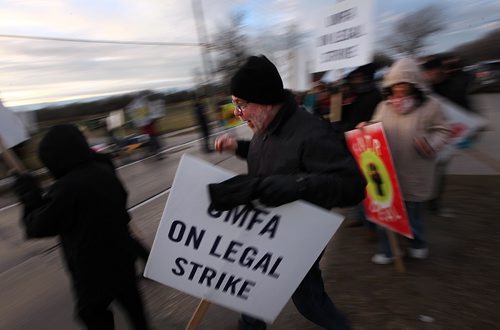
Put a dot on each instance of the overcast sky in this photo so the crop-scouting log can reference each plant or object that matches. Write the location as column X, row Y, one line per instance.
column 36, row 71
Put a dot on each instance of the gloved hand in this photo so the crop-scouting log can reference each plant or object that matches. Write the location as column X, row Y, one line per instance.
column 236, row 191
column 276, row 190
column 28, row 190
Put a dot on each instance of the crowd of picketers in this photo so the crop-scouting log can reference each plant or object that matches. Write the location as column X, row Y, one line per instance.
column 294, row 154
column 415, row 125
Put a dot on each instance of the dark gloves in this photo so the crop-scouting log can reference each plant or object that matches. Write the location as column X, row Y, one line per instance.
column 276, row 190
column 27, row 190
column 238, row 190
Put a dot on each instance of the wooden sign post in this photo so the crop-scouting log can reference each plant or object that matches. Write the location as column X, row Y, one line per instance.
column 198, row 315
column 396, row 252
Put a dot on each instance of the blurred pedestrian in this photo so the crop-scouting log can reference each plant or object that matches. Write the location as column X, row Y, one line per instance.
column 310, row 101
column 362, row 98
column 416, row 129
column 86, row 209
column 293, row 155
column 201, row 118
column 154, row 139
column 322, row 101
column 444, row 75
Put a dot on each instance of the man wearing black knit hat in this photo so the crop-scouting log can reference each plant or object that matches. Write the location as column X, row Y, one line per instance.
column 293, row 155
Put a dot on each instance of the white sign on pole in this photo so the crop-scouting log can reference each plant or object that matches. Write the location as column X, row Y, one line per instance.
column 115, row 119
column 157, row 109
column 12, row 128
column 249, row 259
column 345, row 37
column 138, row 111
column 463, row 124
column 292, row 66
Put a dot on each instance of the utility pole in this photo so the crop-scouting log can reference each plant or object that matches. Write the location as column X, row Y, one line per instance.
column 205, row 51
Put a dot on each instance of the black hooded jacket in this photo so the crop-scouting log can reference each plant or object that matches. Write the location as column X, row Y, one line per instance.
column 299, row 144
column 85, row 207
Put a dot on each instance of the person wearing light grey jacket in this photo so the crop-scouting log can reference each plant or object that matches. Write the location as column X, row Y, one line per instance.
column 416, row 129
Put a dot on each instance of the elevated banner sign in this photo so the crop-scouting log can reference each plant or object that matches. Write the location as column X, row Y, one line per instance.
column 12, row 129
column 249, row 259
column 464, row 124
column 142, row 112
column 383, row 203
column 115, row 119
column 345, row 37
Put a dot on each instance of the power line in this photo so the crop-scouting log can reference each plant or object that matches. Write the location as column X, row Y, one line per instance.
column 143, row 43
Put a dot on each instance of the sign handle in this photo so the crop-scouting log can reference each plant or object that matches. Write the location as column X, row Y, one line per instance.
column 396, row 253
column 335, row 107
column 198, row 315
column 11, row 159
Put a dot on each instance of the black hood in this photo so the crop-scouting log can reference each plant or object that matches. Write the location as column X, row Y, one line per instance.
column 63, row 148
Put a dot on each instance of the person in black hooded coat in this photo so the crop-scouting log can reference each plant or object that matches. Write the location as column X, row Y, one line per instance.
column 86, row 209
column 363, row 97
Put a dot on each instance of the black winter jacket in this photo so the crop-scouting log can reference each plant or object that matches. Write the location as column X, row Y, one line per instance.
column 299, row 144
column 361, row 109
column 85, row 207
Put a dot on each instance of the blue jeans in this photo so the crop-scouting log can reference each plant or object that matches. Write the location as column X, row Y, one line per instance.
column 415, row 217
column 312, row 302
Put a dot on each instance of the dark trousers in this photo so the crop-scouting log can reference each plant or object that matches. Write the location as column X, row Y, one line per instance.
column 415, row 211
column 93, row 303
column 205, row 132
column 312, row 302
column 435, row 204
column 154, row 144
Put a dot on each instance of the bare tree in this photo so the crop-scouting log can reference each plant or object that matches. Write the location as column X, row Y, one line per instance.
column 230, row 45
column 411, row 30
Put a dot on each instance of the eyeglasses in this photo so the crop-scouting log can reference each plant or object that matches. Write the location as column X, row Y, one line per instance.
column 240, row 107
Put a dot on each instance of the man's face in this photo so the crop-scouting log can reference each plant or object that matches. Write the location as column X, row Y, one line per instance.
column 257, row 116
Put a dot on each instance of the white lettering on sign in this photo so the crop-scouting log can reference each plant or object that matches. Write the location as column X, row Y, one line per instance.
column 366, row 142
column 385, row 214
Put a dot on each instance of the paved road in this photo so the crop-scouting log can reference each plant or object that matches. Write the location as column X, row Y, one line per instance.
column 454, row 287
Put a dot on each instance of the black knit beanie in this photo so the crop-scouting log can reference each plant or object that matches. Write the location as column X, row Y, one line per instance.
column 258, row 81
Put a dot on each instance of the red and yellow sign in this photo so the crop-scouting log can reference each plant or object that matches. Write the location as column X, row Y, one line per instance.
column 383, row 203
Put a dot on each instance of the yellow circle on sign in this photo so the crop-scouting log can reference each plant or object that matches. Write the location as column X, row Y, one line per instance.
column 379, row 182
